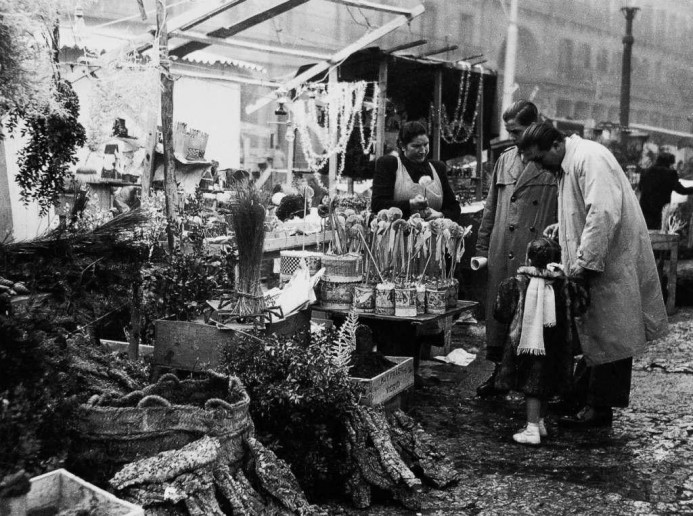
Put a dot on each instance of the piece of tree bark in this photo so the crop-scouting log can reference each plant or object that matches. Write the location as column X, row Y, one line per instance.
column 169, row 464
column 419, row 450
column 275, row 478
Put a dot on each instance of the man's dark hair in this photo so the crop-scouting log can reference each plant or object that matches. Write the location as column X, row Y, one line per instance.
column 409, row 131
column 524, row 111
column 543, row 251
column 543, row 135
column 665, row 159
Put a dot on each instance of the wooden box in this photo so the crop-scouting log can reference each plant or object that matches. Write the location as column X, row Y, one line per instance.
column 191, row 346
column 387, row 385
column 60, row 490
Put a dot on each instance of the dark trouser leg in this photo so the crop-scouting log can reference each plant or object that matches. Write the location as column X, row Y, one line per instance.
column 494, row 354
column 606, row 385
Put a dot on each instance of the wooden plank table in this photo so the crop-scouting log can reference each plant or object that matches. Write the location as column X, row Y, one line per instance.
column 400, row 338
column 668, row 243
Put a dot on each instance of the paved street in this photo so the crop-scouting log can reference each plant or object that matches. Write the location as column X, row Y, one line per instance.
column 643, row 465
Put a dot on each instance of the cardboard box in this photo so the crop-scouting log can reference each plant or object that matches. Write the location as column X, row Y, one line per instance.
column 388, row 384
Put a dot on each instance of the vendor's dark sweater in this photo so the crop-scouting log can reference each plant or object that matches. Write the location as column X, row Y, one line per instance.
column 384, row 185
column 656, row 185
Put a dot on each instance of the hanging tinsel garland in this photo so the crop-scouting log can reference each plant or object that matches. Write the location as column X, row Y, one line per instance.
column 457, row 130
column 341, row 105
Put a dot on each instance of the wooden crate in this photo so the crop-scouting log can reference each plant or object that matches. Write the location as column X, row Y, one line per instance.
column 387, row 385
column 191, row 346
column 62, row 491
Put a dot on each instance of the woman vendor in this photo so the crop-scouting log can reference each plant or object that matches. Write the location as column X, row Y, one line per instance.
column 398, row 179
column 398, row 183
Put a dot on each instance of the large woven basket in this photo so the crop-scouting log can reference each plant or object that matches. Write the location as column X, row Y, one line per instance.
column 343, row 268
column 113, row 431
column 290, row 260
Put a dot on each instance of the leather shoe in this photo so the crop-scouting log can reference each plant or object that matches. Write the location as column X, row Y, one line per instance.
column 589, row 417
column 488, row 388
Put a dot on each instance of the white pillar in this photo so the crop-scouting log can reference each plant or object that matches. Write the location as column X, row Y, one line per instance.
column 510, row 58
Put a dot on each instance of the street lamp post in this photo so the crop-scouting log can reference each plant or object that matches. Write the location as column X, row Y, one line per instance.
column 629, row 13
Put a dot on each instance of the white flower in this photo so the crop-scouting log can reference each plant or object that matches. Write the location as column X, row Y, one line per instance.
column 425, row 181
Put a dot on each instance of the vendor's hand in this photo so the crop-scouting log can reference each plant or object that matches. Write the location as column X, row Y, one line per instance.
column 418, row 203
column 551, row 231
column 431, row 214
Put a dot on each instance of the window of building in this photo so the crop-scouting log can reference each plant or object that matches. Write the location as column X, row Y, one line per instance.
column 466, row 27
column 565, row 55
column 564, row 108
column 603, row 60
column 586, row 56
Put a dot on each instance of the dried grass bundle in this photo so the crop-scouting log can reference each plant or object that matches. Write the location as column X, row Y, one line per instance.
column 116, row 235
column 248, row 224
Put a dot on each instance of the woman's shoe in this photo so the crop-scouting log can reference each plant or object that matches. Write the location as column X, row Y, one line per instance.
column 529, row 435
column 542, row 428
column 589, row 417
column 488, row 388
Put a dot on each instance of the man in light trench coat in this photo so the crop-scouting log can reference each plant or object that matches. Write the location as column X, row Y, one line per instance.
column 521, row 202
column 604, row 240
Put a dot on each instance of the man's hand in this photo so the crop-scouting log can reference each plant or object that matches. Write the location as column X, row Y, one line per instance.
column 418, row 203
column 551, row 231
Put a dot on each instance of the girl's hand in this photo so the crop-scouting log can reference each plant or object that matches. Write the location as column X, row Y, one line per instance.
column 431, row 214
column 551, row 231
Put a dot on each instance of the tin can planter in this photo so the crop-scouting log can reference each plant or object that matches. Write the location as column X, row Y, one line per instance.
column 385, row 299
column 364, row 299
column 405, row 302
column 339, row 296
column 453, row 292
column 436, row 299
column 420, row 299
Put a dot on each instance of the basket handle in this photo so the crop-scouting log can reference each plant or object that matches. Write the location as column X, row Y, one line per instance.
column 153, row 401
column 169, row 377
column 216, row 403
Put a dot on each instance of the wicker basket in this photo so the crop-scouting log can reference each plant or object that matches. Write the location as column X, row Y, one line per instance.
column 289, row 261
column 337, row 295
column 341, row 268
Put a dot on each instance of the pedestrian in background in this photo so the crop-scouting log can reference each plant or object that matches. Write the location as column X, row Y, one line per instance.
column 656, row 185
column 521, row 202
column 604, row 241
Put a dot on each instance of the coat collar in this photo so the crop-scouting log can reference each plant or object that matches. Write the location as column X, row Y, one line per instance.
column 571, row 144
column 528, row 173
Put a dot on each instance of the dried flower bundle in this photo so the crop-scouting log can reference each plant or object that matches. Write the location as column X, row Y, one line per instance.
column 248, row 225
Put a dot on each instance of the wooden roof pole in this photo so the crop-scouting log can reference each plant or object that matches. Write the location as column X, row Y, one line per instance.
column 240, row 25
column 371, row 5
column 235, row 43
column 363, row 41
column 184, row 21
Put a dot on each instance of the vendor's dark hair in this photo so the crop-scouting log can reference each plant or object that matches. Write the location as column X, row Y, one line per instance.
column 543, row 251
column 543, row 135
column 665, row 159
column 409, row 131
column 524, row 111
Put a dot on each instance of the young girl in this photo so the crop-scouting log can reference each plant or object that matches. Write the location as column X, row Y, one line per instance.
column 538, row 354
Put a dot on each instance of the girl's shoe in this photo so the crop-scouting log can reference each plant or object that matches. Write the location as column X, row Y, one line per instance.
column 529, row 435
column 542, row 428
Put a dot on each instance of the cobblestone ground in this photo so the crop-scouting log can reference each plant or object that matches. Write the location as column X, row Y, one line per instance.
column 641, row 466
